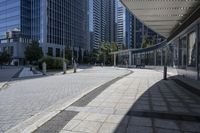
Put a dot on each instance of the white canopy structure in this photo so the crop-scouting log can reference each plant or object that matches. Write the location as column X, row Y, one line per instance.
column 162, row 16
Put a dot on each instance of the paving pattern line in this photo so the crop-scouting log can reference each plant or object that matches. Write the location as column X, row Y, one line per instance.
column 88, row 97
column 32, row 124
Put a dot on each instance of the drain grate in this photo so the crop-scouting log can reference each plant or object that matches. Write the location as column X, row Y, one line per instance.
column 57, row 123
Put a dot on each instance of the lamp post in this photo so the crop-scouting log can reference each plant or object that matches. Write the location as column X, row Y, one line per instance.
column 64, row 63
column 73, row 60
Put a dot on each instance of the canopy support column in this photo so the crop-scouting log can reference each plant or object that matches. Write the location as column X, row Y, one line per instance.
column 130, row 58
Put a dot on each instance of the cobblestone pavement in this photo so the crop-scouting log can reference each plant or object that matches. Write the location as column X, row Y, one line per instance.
column 139, row 103
column 22, row 99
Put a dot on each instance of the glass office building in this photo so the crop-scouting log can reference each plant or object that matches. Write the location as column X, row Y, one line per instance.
column 9, row 18
column 130, row 30
column 15, row 24
column 102, row 24
column 51, row 23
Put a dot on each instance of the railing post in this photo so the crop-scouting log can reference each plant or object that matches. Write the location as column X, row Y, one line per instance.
column 161, row 64
column 155, row 58
column 165, row 66
column 165, row 73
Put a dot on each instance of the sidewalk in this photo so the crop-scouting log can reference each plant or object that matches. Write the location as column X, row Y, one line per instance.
column 139, row 103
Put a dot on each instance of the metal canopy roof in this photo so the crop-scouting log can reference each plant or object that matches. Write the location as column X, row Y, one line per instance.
column 162, row 16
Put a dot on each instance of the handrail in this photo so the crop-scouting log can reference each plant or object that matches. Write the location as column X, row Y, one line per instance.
column 141, row 50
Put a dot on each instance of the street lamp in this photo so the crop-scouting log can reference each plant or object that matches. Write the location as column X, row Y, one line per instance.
column 73, row 60
column 64, row 63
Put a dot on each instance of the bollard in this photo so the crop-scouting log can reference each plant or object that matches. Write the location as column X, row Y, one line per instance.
column 44, row 68
column 31, row 68
column 64, row 67
column 165, row 73
column 75, row 66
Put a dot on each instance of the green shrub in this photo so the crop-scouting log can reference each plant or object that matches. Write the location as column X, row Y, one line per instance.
column 52, row 62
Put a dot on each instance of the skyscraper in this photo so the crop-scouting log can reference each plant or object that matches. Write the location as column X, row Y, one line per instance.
column 101, row 22
column 51, row 23
column 110, row 35
column 121, row 25
column 130, row 30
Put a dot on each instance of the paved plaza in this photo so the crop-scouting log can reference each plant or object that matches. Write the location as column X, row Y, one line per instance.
column 24, row 98
column 139, row 103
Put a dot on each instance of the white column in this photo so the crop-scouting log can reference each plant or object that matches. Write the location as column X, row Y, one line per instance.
column 161, row 57
column 155, row 58
column 129, row 53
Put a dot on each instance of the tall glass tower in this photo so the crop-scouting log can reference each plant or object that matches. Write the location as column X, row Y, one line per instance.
column 130, row 30
column 101, row 22
column 51, row 23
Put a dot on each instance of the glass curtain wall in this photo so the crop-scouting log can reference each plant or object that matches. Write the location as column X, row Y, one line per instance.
column 183, row 53
column 158, row 57
column 9, row 19
column 149, row 58
column 192, row 50
column 199, row 52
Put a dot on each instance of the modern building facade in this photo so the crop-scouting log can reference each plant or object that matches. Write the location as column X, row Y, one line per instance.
column 51, row 23
column 180, row 52
column 130, row 30
column 110, row 35
column 102, row 24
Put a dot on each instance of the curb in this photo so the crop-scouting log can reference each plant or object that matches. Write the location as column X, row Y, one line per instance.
column 36, row 121
column 3, row 85
column 191, row 88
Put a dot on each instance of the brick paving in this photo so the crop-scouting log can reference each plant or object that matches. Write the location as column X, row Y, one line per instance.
column 23, row 99
column 139, row 103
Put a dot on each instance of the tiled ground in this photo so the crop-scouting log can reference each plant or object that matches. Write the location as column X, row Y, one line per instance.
column 139, row 103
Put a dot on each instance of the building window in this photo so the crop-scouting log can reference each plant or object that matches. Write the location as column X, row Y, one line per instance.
column 50, row 51
column 57, row 52
column 192, row 51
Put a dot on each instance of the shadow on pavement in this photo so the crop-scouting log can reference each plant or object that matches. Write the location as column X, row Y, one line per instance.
column 165, row 107
column 16, row 76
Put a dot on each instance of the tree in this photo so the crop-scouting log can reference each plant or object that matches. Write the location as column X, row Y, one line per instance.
column 144, row 41
column 154, row 40
column 106, row 49
column 113, row 47
column 68, row 54
column 33, row 52
column 4, row 58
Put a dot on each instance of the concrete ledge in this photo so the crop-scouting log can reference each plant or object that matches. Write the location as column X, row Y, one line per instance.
column 189, row 84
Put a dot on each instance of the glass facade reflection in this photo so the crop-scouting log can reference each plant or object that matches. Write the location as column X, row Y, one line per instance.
column 131, row 31
column 192, row 50
column 9, row 19
column 181, row 54
column 51, row 23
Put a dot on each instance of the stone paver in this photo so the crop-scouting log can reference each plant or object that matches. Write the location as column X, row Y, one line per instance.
column 139, row 103
column 23, row 99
